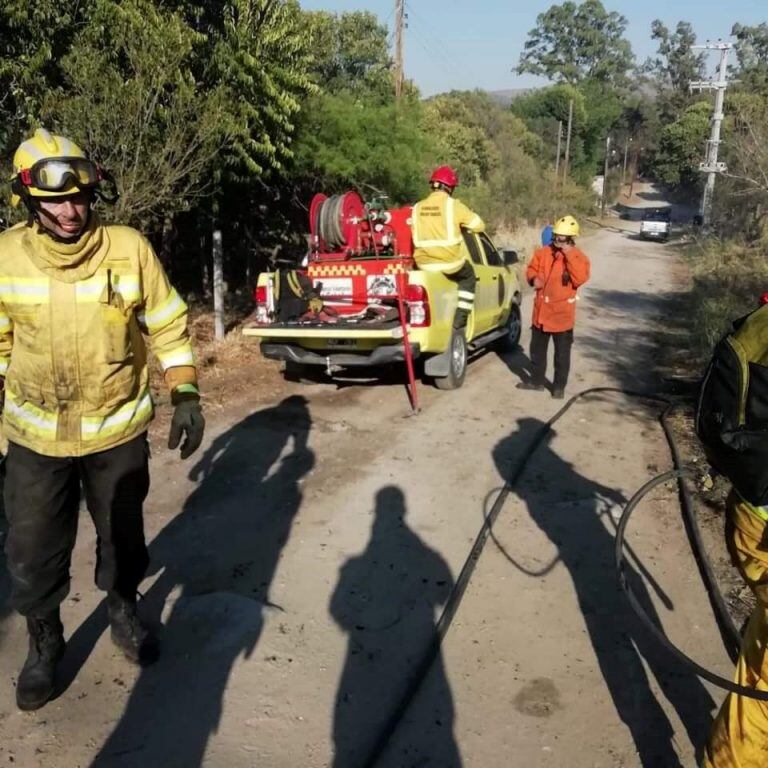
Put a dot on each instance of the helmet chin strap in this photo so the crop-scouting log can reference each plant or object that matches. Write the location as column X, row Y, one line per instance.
column 34, row 217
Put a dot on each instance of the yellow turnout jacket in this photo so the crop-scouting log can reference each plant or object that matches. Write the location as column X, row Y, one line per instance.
column 436, row 227
column 73, row 323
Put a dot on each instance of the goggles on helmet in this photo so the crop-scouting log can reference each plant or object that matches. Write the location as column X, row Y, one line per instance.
column 55, row 174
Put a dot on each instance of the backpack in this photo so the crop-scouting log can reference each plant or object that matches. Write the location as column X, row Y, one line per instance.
column 732, row 409
column 295, row 295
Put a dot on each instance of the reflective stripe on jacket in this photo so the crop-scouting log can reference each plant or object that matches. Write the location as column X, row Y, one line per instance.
column 554, row 306
column 436, row 228
column 73, row 322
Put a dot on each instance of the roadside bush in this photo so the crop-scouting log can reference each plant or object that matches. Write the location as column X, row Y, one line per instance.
column 728, row 279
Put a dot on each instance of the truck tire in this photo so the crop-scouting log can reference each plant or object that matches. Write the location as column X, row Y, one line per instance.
column 458, row 363
column 511, row 341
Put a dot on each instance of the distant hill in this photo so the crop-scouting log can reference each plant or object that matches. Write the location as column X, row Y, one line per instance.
column 506, row 97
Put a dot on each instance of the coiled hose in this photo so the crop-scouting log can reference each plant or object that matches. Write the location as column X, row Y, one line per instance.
column 729, row 633
column 329, row 221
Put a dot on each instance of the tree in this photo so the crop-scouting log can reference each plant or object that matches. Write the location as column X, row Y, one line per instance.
column 33, row 39
column 742, row 197
column 752, row 55
column 461, row 140
column 575, row 42
column 351, row 54
column 681, row 147
column 373, row 147
column 139, row 114
column 675, row 66
column 262, row 58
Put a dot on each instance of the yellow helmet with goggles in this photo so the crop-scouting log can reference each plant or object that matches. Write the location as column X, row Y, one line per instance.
column 51, row 166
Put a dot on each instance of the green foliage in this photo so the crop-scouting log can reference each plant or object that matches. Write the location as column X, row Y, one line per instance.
column 455, row 123
column 752, row 54
column 345, row 143
column 741, row 198
column 575, row 42
column 262, row 59
column 231, row 113
column 497, row 157
column 350, row 134
column 596, row 108
column 729, row 275
column 351, row 54
column 139, row 114
column 681, row 147
column 675, row 66
column 34, row 36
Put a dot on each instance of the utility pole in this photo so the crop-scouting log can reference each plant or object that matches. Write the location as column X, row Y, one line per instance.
column 568, row 141
column 711, row 166
column 559, row 142
column 624, row 169
column 399, row 25
column 605, row 175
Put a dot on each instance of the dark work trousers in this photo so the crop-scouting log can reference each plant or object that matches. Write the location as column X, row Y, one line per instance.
column 42, row 499
column 539, row 344
column 466, row 280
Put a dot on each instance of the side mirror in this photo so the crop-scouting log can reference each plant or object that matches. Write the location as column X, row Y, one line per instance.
column 510, row 258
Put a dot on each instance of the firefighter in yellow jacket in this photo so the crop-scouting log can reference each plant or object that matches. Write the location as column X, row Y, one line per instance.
column 739, row 735
column 77, row 300
column 436, row 226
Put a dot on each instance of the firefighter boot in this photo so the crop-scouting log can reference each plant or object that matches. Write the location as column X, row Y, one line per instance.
column 46, row 647
column 136, row 641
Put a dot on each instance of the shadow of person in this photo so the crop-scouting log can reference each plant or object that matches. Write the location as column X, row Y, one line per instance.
column 517, row 362
column 620, row 643
column 218, row 559
column 385, row 601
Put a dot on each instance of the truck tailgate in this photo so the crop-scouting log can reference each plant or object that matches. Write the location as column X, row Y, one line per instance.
column 325, row 331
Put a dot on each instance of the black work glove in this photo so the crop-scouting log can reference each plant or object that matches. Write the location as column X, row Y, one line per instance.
column 187, row 421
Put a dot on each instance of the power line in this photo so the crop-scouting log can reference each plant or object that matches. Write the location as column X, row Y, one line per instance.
column 435, row 49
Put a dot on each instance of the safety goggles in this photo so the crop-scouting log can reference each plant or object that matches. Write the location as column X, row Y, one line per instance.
column 54, row 175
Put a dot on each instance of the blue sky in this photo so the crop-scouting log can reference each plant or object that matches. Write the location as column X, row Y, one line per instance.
column 459, row 44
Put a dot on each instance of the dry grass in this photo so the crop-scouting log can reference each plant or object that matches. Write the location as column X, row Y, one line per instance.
column 524, row 239
column 728, row 279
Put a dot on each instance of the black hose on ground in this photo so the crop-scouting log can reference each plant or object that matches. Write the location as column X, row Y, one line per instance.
column 655, row 630
column 729, row 633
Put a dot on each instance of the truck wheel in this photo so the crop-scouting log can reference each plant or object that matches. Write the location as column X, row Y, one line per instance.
column 458, row 364
column 514, row 328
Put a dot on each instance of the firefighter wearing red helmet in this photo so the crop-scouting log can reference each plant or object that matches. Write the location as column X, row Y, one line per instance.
column 436, row 227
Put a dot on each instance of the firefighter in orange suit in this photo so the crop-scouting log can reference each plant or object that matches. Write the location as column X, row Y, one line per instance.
column 78, row 298
column 436, row 227
column 556, row 271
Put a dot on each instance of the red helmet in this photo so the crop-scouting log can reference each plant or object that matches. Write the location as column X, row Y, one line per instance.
column 444, row 175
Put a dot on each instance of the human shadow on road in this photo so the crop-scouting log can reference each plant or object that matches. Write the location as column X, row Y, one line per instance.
column 218, row 559
column 566, row 506
column 385, row 601
column 639, row 338
column 518, row 363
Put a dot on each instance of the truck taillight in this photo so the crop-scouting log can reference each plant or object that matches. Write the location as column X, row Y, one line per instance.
column 417, row 298
column 260, row 297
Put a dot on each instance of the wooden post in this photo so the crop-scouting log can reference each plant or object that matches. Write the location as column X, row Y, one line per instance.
column 218, row 285
column 568, row 142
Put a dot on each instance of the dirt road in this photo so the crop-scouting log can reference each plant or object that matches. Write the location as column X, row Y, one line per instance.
column 301, row 559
